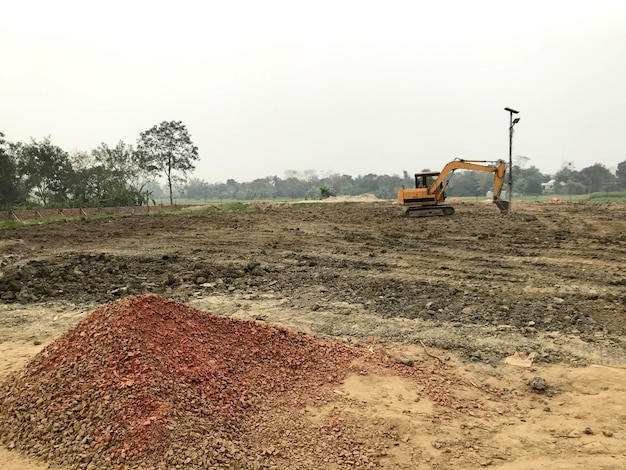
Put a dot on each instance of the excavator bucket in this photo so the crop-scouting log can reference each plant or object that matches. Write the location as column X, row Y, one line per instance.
column 502, row 205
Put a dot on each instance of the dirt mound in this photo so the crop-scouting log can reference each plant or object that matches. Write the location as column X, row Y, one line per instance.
column 359, row 198
column 146, row 381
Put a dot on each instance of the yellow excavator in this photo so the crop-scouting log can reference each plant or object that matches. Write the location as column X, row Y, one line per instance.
column 429, row 195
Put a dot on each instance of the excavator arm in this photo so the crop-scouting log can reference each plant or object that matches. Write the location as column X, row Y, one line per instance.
column 499, row 170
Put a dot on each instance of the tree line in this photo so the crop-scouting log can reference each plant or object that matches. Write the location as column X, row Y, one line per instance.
column 308, row 185
column 41, row 173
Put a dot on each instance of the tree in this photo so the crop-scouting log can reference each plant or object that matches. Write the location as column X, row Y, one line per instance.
column 621, row 174
column 591, row 179
column 167, row 148
column 122, row 161
column 343, row 184
column 155, row 190
column 528, row 180
column 326, row 191
column 124, row 175
column 565, row 174
column 596, row 178
column 470, row 183
column 11, row 190
column 86, row 179
column 196, row 189
column 47, row 170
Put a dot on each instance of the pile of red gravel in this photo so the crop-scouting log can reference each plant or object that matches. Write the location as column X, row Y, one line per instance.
column 146, row 382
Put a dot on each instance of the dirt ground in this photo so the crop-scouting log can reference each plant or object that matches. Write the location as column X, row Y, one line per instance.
column 529, row 310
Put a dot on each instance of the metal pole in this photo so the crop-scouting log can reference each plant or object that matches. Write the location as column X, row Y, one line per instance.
column 511, row 124
column 510, row 163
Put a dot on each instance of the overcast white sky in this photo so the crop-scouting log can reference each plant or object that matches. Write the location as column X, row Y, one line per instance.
column 351, row 87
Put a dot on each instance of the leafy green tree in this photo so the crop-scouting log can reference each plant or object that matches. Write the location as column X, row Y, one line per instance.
column 124, row 176
column 293, row 187
column 326, row 191
column 564, row 175
column 621, row 174
column 155, row 189
column 122, row 161
column 167, row 148
column 528, row 180
column 196, row 189
column 11, row 188
column 597, row 178
column 260, row 188
column 592, row 178
column 343, row 184
column 569, row 182
column 47, row 170
column 85, row 179
column 470, row 183
column 535, row 179
column 367, row 183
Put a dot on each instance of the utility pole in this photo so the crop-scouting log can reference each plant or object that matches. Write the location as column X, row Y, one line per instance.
column 512, row 123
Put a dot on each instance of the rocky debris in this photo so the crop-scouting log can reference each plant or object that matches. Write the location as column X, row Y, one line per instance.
column 538, row 385
column 147, row 382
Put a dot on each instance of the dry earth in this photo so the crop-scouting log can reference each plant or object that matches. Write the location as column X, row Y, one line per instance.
column 529, row 310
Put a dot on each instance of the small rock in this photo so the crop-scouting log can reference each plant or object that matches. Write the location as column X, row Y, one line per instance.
column 607, row 433
column 10, row 295
column 119, row 291
column 588, row 431
column 200, row 280
column 546, row 408
column 538, row 384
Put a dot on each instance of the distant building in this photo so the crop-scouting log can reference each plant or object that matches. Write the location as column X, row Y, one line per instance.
column 548, row 188
column 551, row 187
column 569, row 164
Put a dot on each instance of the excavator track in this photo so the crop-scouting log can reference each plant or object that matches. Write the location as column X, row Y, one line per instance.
column 429, row 211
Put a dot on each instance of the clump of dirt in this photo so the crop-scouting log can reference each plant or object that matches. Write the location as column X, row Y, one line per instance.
column 149, row 382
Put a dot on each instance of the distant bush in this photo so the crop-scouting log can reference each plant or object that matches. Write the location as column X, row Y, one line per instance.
column 608, row 196
column 236, row 207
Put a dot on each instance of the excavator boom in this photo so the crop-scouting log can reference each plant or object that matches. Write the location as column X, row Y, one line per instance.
column 428, row 197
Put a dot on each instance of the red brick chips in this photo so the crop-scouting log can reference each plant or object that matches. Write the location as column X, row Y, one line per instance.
column 146, row 382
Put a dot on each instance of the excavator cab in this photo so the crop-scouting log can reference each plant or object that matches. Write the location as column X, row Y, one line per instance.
column 426, row 179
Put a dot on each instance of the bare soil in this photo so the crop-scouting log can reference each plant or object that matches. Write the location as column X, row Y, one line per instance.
column 528, row 310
